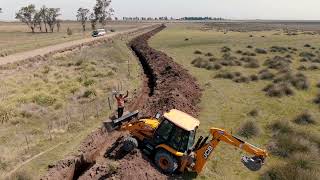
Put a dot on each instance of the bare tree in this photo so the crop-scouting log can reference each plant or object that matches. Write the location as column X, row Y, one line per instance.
column 51, row 17
column 103, row 11
column 27, row 15
column 83, row 16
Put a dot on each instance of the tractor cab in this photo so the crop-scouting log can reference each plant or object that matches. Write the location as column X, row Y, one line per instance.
column 176, row 131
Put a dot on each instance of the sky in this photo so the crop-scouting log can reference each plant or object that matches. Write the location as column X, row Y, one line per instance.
column 230, row 9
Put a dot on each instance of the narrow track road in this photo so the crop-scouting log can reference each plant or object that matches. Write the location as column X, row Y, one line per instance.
column 59, row 47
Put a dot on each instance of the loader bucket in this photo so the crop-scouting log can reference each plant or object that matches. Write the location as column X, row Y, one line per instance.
column 113, row 124
column 252, row 163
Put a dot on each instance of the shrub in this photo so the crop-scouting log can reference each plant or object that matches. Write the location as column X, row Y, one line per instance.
column 197, row 52
column 208, row 54
column 200, row 63
column 278, row 49
column 249, row 47
column 79, row 62
column 260, row 51
column 21, row 175
column 249, row 129
column 302, row 68
column 247, row 53
column 112, row 30
column 43, row 99
column 281, row 127
column 254, row 77
column 266, row 75
column 239, row 52
column 304, row 118
column 186, row 39
column 299, row 81
column 307, row 45
column 227, row 75
column 225, row 49
column 278, row 90
column 318, row 85
column 297, row 168
column 303, row 60
column 253, row 113
column 288, row 56
column 69, row 32
column 313, row 67
column 252, row 64
column 212, row 59
column 217, row 66
column 307, row 55
column 89, row 93
column 88, row 82
column 242, row 79
column 277, row 62
column 317, row 99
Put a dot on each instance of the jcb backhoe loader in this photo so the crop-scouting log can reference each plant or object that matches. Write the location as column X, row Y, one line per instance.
column 170, row 140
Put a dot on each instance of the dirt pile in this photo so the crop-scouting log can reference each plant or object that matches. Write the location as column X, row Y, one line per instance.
column 167, row 85
column 170, row 85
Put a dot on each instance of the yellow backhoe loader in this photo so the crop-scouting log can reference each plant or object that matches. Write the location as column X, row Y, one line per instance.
column 170, row 140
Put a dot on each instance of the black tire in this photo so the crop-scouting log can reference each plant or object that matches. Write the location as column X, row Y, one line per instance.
column 129, row 144
column 166, row 161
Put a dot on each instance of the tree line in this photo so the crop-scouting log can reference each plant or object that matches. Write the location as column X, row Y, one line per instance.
column 101, row 13
column 34, row 18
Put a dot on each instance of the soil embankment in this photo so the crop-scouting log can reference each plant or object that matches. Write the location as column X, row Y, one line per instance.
column 167, row 85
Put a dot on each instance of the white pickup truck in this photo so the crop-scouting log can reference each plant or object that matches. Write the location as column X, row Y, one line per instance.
column 99, row 32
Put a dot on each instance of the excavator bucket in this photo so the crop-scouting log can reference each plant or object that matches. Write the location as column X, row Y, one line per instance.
column 252, row 163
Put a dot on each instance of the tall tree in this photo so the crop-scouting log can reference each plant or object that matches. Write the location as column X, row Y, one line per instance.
column 103, row 11
column 93, row 21
column 27, row 15
column 0, row 10
column 83, row 16
column 43, row 13
column 38, row 20
column 51, row 17
column 58, row 25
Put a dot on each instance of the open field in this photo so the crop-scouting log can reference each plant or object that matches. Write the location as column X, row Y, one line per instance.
column 48, row 107
column 16, row 37
column 236, row 95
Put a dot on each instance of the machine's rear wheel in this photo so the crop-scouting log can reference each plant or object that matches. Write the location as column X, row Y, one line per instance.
column 166, row 162
column 129, row 144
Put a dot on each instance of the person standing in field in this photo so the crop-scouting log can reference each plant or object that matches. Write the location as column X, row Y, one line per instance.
column 120, row 102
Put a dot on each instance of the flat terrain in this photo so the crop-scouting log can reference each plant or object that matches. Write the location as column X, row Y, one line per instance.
column 16, row 37
column 229, row 101
column 49, row 106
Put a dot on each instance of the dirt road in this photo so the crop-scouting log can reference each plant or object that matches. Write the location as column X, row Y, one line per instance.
column 60, row 47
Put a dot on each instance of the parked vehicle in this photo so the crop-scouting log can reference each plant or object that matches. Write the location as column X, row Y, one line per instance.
column 99, row 32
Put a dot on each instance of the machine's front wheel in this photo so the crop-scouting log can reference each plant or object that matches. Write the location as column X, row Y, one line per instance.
column 129, row 144
column 166, row 161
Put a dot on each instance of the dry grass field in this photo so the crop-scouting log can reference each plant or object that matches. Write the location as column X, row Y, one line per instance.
column 48, row 107
column 259, row 83
column 16, row 37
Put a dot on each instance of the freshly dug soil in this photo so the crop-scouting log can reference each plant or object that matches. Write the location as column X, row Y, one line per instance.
column 167, row 86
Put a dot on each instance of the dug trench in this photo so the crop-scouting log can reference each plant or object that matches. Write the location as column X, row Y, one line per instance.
column 166, row 86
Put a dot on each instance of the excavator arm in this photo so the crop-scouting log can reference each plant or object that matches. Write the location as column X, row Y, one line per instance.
column 203, row 150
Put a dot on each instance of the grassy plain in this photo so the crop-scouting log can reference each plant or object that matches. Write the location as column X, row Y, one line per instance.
column 16, row 37
column 49, row 107
column 226, row 104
